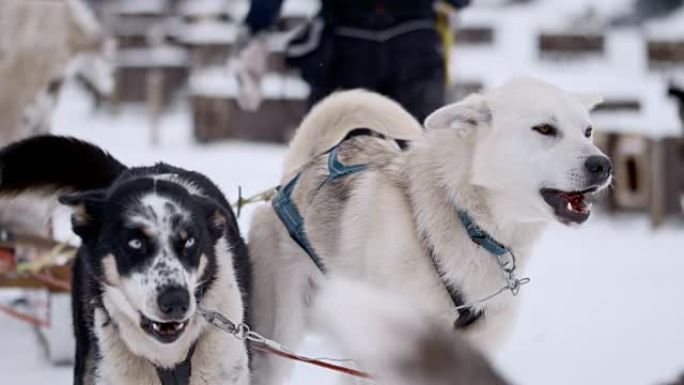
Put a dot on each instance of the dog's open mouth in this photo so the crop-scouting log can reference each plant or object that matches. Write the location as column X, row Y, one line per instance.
column 569, row 207
column 165, row 332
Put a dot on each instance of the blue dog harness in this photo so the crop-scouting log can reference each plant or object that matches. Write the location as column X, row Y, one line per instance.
column 287, row 211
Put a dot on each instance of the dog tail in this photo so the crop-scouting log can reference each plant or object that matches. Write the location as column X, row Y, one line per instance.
column 48, row 164
column 334, row 117
column 390, row 338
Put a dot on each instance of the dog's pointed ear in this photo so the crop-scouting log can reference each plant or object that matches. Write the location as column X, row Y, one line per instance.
column 87, row 208
column 589, row 101
column 463, row 116
column 216, row 218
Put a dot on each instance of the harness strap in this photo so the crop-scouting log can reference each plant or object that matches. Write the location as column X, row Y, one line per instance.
column 337, row 169
column 287, row 211
column 294, row 223
column 481, row 237
column 467, row 315
column 179, row 374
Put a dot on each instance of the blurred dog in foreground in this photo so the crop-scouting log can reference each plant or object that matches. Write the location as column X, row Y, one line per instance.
column 157, row 243
column 443, row 216
column 398, row 345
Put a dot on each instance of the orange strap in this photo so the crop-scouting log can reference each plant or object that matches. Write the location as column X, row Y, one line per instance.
column 312, row 361
column 12, row 312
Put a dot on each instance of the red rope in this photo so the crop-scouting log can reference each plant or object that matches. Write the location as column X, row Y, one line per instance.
column 311, row 361
column 37, row 322
column 52, row 281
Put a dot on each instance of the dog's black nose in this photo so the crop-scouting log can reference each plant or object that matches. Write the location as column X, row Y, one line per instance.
column 174, row 302
column 598, row 169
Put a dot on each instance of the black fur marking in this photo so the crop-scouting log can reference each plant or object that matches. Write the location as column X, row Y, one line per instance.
column 53, row 163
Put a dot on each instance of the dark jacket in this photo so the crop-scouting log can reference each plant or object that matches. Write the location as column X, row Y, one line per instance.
column 360, row 13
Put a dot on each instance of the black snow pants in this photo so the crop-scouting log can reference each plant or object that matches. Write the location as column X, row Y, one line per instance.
column 408, row 68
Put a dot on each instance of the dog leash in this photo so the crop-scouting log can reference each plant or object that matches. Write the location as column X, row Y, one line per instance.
column 263, row 196
column 242, row 332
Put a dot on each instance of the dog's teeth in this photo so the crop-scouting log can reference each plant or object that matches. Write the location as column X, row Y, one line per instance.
column 178, row 326
column 156, row 326
column 568, row 206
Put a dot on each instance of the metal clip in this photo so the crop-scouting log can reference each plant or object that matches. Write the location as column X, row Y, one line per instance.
column 217, row 319
column 515, row 283
column 240, row 331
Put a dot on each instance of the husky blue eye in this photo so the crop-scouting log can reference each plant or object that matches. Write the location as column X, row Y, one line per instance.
column 190, row 242
column 135, row 244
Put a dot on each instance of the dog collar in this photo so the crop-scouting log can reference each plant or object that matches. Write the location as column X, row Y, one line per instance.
column 467, row 315
column 481, row 237
column 504, row 255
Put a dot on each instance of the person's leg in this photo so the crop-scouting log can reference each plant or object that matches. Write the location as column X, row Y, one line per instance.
column 354, row 64
column 416, row 77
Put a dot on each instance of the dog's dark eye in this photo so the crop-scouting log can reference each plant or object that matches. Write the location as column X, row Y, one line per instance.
column 588, row 131
column 135, row 244
column 545, row 129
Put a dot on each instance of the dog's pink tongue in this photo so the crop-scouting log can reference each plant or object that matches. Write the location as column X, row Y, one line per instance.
column 577, row 202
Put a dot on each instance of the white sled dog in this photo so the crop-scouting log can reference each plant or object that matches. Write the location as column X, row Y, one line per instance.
column 394, row 342
column 445, row 216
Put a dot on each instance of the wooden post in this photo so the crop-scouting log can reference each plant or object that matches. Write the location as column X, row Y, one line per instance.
column 657, row 201
column 155, row 101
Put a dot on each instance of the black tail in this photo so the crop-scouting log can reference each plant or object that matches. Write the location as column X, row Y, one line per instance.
column 52, row 163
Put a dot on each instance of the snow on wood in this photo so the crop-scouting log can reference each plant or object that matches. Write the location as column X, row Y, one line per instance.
column 300, row 8
column 668, row 28
column 609, row 73
column 203, row 8
column 208, row 32
column 158, row 56
column 218, row 82
column 141, row 7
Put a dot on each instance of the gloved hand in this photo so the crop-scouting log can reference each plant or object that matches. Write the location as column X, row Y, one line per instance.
column 249, row 66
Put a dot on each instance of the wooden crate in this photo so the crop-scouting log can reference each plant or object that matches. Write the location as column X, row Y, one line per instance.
column 631, row 157
column 619, row 105
column 221, row 118
column 474, row 35
column 203, row 55
column 209, row 42
column 564, row 45
column 132, row 84
column 135, row 66
column 665, row 53
column 673, row 172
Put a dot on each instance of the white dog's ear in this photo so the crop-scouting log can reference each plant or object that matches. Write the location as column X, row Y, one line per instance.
column 590, row 101
column 464, row 115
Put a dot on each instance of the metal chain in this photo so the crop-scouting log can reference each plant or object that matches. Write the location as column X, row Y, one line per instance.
column 512, row 282
column 240, row 331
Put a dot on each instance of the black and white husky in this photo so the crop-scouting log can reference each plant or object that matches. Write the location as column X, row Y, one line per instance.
column 157, row 244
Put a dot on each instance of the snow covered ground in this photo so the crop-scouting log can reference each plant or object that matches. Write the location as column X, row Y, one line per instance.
column 605, row 305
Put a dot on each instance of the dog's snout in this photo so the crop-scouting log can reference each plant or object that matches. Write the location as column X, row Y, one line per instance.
column 598, row 168
column 174, row 302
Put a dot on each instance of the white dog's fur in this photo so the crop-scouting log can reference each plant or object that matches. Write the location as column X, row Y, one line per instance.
column 395, row 343
column 480, row 155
